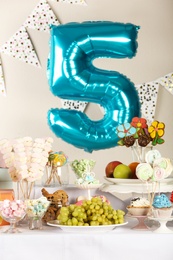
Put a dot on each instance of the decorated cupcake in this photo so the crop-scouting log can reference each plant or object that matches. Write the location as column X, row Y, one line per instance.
column 139, row 206
column 162, row 206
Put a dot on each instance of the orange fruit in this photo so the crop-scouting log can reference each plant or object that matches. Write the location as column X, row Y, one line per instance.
column 133, row 166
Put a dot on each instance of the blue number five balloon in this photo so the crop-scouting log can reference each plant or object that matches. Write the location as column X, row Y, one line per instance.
column 73, row 76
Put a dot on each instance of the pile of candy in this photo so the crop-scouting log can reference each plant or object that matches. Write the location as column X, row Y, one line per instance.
column 154, row 170
column 83, row 170
column 139, row 131
column 156, row 167
column 37, row 207
column 15, row 209
column 25, row 158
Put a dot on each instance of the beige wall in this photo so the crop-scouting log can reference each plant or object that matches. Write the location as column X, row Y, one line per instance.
column 23, row 112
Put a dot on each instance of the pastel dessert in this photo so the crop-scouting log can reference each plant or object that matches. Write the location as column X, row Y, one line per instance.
column 139, row 206
column 171, row 197
column 162, row 206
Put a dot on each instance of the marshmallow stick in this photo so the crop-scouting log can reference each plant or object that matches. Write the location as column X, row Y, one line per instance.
column 153, row 193
column 30, row 189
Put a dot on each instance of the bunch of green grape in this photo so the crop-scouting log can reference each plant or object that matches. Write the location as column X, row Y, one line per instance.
column 92, row 212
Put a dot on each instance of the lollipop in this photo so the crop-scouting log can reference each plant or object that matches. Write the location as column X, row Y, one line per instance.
column 144, row 172
column 151, row 156
column 165, row 166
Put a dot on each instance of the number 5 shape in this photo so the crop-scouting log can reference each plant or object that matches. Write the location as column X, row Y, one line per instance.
column 73, row 76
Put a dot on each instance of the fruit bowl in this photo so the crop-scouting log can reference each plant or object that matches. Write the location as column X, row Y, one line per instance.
column 84, row 229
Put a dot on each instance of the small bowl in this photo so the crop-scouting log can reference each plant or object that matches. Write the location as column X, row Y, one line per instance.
column 138, row 211
column 162, row 213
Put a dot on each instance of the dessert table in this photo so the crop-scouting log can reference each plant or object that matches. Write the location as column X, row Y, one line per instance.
column 52, row 243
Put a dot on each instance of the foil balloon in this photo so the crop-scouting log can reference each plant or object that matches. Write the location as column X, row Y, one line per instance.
column 72, row 75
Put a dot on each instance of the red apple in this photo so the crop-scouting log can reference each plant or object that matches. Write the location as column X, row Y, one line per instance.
column 110, row 168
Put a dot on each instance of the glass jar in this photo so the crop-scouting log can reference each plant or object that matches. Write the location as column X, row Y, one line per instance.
column 139, row 152
column 55, row 176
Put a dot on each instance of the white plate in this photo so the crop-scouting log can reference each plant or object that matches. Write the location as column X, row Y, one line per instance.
column 88, row 186
column 83, row 229
column 134, row 181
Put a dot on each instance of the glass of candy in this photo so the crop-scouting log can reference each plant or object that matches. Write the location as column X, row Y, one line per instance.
column 35, row 211
column 12, row 211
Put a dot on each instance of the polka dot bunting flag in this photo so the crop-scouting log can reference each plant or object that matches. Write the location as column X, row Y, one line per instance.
column 148, row 97
column 2, row 82
column 76, row 105
column 20, row 46
column 41, row 17
column 167, row 82
column 80, row 2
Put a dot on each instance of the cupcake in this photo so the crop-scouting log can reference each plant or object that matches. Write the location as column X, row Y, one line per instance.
column 162, row 207
column 139, row 206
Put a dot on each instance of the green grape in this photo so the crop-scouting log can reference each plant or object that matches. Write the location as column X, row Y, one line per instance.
column 89, row 212
column 80, row 223
column 109, row 216
column 74, row 221
column 69, row 222
column 100, row 219
column 91, row 206
column 97, row 207
column 74, row 213
column 94, row 217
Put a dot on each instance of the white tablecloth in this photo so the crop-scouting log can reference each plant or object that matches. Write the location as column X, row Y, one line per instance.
column 52, row 243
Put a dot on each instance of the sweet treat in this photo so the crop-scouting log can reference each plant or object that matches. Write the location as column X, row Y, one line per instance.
column 151, row 156
column 26, row 158
column 139, row 206
column 137, row 132
column 162, row 206
column 164, row 165
column 15, row 209
column 171, row 197
column 57, row 199
column 37, row 207
column 144, row 172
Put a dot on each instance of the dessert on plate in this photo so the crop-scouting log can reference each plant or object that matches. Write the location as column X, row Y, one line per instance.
column 139, row 206
column 162, row 206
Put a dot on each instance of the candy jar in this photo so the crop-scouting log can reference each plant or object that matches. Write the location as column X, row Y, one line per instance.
column 35, row 212
column 12, row 212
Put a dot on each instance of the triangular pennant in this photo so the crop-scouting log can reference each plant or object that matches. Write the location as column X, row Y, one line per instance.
column 79, row 2
column 71, row 104
column 2, row 81
column 167, row 82
column 19, row 46
column 148, row 93
column 41, row 17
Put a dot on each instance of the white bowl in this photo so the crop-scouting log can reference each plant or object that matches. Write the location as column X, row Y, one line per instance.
column 138, row 211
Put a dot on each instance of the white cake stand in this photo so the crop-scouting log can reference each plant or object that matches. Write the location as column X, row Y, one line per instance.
column 88, row 187
column 163, row 228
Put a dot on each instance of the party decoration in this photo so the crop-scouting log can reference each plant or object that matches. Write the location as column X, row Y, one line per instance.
column 41, row 18
column 138, row 131
column 148, row 93
column 167, row 82
column 80, row 2
column 2, row 81
column 20, row 46
column 72, row 104
column 72, row 75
